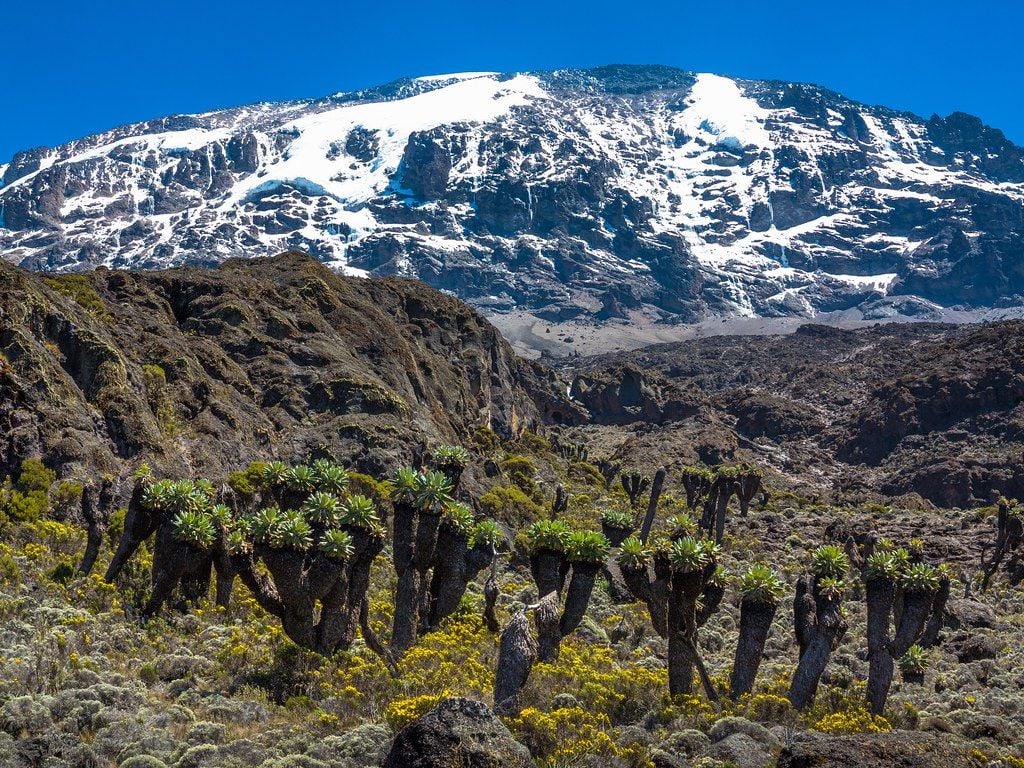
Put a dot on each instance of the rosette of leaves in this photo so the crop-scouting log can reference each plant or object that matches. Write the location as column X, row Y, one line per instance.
column 322, row 507
column 829, row 562
column 433, row 492
column 914, row 661
column 680, row 525
column 155, row 496
column 329, row 477
column 615, row 518
column 548, row 534
column 882, row 565
column 291, row 531
column 262, row 522
column 486, row 533
column 205, row 487
column 301, row 479
column 920, row 577
column 405, row 483
column 459, row 517
column 275, row 474
column 688, row 554
column 238, row 542
column 183, row 495
column 633, row 553
column 337, row 544
column 761, row 584
column 194, row 527
column 451, row 456
column 719, row 577
column 359, row 512
column 586, row 547
column 831, row 588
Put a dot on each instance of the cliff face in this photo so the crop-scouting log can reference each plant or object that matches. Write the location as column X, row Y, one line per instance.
column 193, row 368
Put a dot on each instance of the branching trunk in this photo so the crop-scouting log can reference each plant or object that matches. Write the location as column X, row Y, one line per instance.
column 821, row 633
column 577, row 596
column 937, row 619
column 652, row 504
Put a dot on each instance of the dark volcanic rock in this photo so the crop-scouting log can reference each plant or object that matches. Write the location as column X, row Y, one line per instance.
column 458, row 733
column 899, row 749
column 269, row 358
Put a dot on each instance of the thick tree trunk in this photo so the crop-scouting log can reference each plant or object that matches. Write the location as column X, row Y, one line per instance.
column 938, row 616
column 755, row 622
column 450, row 576
column 652, row 504
column 577, row 597
column 680, row 666
column 139, row 525
column 546, row 617
column 403, row 626
column 546, row 567
column 491, row 593
column 517, row 653
column 822, row 631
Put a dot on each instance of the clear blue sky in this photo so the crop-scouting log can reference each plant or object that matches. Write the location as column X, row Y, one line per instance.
column 73, row 68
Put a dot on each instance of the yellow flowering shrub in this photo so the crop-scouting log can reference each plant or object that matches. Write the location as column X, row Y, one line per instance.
column 559, row 737
column 400, row 712
column 770, row 708
column 591, row 673
column 851, row 721
column 459, row 657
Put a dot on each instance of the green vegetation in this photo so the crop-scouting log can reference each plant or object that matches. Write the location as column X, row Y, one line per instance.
column 79, row 288
column 263, row 681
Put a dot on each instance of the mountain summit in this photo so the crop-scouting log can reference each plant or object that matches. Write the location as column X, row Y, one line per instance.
column 575, row 193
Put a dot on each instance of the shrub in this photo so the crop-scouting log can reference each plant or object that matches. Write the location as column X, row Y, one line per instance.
column 509, row 504
column 521, row 470
column 401, row 712
column 851, row 721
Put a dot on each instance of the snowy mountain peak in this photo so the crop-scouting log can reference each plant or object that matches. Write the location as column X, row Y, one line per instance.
column 572, row 193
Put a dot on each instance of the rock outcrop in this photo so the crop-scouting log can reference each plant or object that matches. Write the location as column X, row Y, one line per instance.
column 256, row 359
column 458, row 733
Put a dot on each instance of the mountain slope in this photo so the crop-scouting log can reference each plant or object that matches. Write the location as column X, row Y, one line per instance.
column 595, row 193
column 215, row 368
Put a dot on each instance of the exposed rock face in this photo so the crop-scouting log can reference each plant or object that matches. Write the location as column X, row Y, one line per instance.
column 458, row 733
column 900, row 749
column 215, row 368
column 933, row 410
column 596, row 193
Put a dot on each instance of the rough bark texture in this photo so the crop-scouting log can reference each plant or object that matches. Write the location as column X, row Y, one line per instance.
column 820, row 628
column 755, row 622
column 517, row 653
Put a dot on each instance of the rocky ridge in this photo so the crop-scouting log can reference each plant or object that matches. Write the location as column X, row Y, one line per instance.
column 215, row 368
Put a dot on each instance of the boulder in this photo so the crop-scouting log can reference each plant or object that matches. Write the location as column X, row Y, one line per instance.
column 458, row 733
column 899, row 749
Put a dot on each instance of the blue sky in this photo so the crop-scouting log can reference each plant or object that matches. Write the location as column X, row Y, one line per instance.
column 73, row 68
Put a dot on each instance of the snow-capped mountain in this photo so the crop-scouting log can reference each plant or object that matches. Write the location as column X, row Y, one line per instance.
column 570, row 193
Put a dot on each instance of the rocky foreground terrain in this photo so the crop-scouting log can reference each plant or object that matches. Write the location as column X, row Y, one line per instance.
column 646, row 193
column 906, row 432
